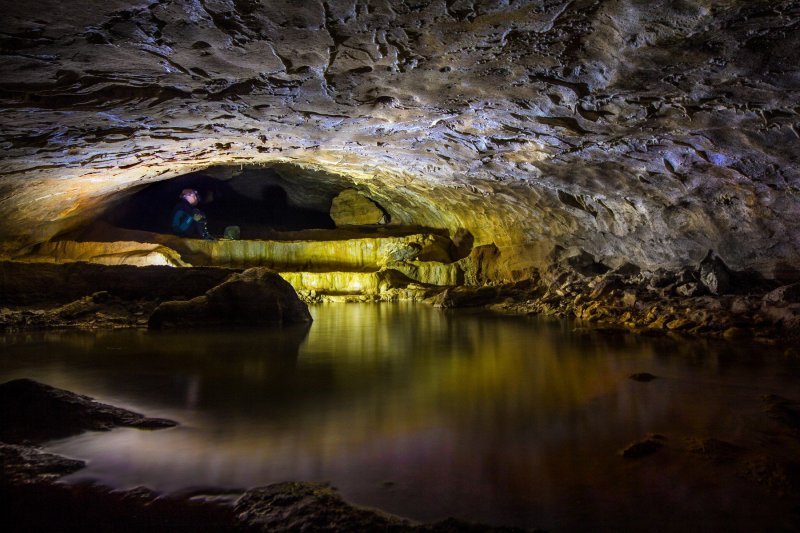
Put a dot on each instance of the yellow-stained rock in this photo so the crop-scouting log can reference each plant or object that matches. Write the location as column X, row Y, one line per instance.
column 350, row 254
column 104, row 253
column 334, row 282
column 431, row 272
column 351, row 208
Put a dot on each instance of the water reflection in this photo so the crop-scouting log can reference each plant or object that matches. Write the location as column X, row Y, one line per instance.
column 419, row 412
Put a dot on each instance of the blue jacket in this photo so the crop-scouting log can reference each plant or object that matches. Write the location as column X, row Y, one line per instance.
column 183, row 217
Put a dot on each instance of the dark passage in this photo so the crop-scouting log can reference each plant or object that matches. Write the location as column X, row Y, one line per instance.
column 255, row 200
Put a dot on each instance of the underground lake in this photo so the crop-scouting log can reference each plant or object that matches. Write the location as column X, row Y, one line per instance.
column 427, row 413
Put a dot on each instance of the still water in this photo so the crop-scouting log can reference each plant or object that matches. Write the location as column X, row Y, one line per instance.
column 419, row 412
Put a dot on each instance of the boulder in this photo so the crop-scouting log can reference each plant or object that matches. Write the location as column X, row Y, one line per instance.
column 607, row 285
column 784, row 295
column 351, row 208
column 577, row 259
column 715, row 274
column 257, row 296
column 689, row 290
column 33, row 411
column 627, row 270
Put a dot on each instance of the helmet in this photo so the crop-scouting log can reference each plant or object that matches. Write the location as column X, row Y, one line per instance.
column 187, row 192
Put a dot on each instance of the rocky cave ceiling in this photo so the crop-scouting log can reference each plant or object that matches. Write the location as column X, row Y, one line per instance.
column 650, row 131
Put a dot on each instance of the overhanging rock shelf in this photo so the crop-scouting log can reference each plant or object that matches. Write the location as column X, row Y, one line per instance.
column 334, row 266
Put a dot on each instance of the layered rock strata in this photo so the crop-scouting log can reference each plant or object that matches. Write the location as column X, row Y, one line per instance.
column 646, row 132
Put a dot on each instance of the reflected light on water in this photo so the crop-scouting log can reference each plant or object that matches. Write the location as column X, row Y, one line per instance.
column 416, row 411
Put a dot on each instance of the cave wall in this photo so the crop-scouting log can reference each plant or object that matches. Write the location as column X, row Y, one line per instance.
column 645, row 130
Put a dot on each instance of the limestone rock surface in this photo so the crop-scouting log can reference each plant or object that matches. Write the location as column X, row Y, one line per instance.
column 256, row 296
column 25, row 284
column 32, row 411
column 351, row 208
column 641, row 131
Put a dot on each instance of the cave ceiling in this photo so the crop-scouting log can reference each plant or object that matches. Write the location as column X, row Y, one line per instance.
column 644, row 130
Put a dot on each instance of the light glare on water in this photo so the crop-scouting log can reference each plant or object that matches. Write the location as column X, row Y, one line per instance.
column 403, row 407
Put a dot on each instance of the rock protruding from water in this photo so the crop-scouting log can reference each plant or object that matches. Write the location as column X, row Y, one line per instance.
column 351, row 208
column 27, row 465
column 35, row 412
column 294, row 506
column 642, row 448
column 257, row 296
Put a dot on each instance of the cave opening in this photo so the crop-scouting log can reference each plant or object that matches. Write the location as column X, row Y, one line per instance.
column 255, row 199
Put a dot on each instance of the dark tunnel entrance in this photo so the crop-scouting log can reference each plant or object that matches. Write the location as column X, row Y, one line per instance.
column 254, row 199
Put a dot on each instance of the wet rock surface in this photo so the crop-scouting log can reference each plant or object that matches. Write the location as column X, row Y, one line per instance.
column 573, row 285
column 97, row 311
column 644, row 447
column 657, row 302
column 92, row 296
column 23, row 464
column 35, row 412
column 256, row 296
column 318, row 507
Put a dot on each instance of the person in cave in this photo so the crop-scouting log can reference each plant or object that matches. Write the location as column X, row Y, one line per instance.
column 187, row 219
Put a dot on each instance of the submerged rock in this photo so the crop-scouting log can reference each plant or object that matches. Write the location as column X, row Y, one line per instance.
column 33, row 411
column 644, row 447
column 715, row 450
column 257, row 296
column 785, row 411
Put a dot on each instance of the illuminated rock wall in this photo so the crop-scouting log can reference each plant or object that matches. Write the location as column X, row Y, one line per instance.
column 640, row 131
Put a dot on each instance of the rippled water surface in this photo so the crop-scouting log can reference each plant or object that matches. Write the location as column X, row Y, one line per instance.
column 422, row 413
